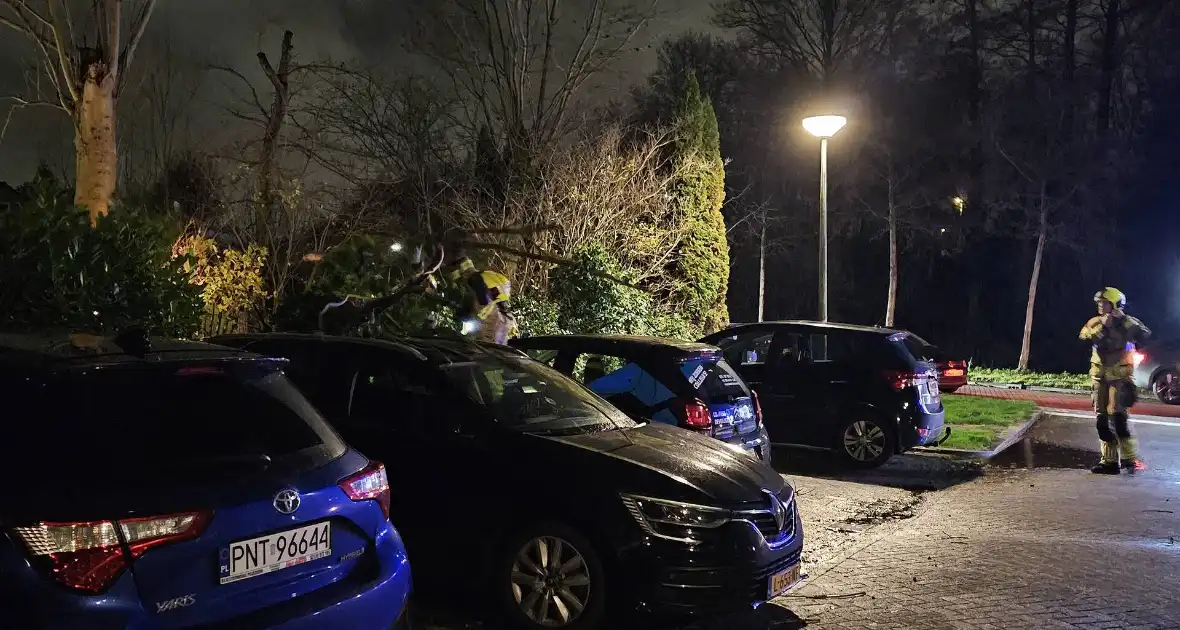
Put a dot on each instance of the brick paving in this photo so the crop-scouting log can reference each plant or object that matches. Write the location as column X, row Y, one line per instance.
column 1077, row 402
column 1040, row 548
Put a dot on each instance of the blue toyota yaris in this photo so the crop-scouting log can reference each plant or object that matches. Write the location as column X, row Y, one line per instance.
column 183, row 485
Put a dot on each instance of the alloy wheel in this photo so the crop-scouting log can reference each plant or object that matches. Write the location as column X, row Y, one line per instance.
column 550, row 581
column 1167, row 388
column 864, row 441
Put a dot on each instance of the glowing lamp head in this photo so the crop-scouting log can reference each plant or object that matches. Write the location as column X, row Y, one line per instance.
column 824, row 126
column 469, row 326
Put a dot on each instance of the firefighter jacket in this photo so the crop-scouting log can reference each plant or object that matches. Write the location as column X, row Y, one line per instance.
column 1110, row 359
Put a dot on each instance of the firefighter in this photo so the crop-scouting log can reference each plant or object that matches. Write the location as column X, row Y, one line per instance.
column 485, row 312
column 1114, row 335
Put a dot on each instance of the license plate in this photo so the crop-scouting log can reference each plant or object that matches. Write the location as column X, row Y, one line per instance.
column 258, row 556
column 782, row 581
column 955, row 372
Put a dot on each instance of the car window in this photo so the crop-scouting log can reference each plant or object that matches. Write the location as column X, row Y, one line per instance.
column 388, row 394
column 314, row 367
column 589, row 367
column 837, row 346
column 156, row 426
column 527, row 396
column 752, row 348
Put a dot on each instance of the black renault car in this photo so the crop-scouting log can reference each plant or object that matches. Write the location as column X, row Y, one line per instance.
column 514, row 481
column 865, row 393
column 685, row 384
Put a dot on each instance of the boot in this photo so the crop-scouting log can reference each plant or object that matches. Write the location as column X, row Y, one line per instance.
column 1108, row 460
column 1132, row 466
column 1106, row 468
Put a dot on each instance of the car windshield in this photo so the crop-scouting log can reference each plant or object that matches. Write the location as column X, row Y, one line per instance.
column 526, row 396
column 713, row 380
column 918, row 349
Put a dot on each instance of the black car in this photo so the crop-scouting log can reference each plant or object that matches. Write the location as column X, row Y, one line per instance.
column 689, row 385
column 512, row 480
column 865, row 393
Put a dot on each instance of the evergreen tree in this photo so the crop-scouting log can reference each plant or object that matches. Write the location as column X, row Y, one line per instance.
column 701, row 270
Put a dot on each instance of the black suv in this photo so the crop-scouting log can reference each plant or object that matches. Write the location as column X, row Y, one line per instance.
column 511, row 480
column 865, row 393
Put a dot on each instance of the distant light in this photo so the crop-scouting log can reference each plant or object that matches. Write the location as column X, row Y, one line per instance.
column 824, row 126
column 960, row 203
column 395, row 247
column 96, row 313
column 942, row 230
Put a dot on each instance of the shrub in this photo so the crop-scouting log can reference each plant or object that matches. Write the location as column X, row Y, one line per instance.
column 56, row 271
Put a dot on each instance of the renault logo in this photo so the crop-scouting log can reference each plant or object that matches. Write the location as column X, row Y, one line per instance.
column 778, row 510
column 286, row 501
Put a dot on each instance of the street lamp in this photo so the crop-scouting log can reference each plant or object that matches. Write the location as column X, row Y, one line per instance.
column 823, row 127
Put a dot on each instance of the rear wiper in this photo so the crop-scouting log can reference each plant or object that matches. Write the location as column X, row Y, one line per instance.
column 260, row 461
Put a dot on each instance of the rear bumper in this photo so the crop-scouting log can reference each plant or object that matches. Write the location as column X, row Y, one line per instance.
column 378, row 603
column 922, row 429
column 756, row 444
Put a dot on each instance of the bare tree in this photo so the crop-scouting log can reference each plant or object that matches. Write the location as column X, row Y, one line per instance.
column 819, row 38
column 519, row 65
column 84, row 59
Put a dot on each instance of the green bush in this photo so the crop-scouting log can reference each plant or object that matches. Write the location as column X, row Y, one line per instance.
column 1064, row 380
column 57, row 272
column 536, row 315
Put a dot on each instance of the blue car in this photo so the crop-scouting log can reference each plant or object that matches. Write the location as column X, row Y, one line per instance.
column 684, row 384
column 183, row 485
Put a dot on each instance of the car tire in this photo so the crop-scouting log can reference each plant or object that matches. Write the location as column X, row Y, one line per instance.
column 1166, row 387
column 545, row 573
column 865, row 441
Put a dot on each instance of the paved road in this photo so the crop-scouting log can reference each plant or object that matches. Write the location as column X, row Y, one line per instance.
column 1076, row 402
column 1050, row 546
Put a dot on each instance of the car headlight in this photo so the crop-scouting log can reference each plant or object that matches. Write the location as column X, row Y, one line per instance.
column 674, row 520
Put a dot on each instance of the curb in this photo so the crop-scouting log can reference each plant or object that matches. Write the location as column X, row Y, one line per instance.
column 1013, row 437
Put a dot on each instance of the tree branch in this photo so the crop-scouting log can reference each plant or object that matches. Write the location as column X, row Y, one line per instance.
column 138, row 26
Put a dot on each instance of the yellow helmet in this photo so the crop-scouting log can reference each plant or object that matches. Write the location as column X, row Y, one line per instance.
column 1112, row 295
column 461, row 268
column 498, row 285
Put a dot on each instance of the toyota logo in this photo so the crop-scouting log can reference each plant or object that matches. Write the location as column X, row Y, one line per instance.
column 287, row 501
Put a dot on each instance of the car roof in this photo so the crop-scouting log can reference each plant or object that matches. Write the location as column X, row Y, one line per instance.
column 434, row 350
column 80, row 350
column 615, row 344
column 802, row 323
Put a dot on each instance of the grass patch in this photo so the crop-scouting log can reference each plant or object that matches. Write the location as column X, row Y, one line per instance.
column 1064, row 380
column 979, row 423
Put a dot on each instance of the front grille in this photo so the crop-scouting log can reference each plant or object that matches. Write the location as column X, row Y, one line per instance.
column 764, row 522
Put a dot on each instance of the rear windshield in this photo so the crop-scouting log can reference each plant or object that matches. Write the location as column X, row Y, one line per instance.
column 181, row 425
column 527, row 396
column 713, row 380
column 915, row 348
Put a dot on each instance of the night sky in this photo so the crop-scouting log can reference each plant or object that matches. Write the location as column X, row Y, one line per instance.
column 231, row 32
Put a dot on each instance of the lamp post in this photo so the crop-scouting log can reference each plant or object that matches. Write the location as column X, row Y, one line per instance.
column 823, row 127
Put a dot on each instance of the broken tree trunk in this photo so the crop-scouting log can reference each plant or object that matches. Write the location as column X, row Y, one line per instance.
column 1038, row 256
column 96, row 157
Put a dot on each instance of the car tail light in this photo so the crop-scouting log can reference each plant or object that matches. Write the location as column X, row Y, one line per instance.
column 371, row 483
column 695, row 415
column 88, row 556
column 1138, row 357
column 900, row 380
column 757, row 407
